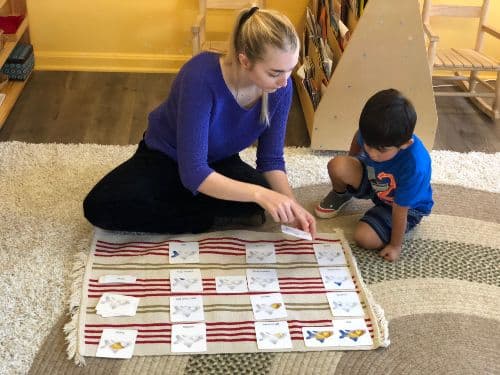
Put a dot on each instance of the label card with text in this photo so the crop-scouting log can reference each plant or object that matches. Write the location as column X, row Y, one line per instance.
column 273, row 335
column 189, row 338
column 186, row 309
column 117, row 279
column 231, row 284
column 329, row 254
column 337, row 278
column 188, row 280
column 117, row 343
column 183, row 252
column 262, row 280
column 295, row 232
column 260, row 252
column 268, row 306
column 345, row 304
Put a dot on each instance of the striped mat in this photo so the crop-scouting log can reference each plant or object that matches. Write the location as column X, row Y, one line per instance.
column 228, row 316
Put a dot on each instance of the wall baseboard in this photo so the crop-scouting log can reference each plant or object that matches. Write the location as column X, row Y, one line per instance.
column 109, row 62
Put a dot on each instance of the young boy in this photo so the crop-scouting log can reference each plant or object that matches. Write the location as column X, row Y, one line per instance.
column 388, row 164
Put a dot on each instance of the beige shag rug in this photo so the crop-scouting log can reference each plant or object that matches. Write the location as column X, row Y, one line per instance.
column 442, row 298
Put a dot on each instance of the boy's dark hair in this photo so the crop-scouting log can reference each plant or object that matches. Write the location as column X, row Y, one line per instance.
column 387, row 119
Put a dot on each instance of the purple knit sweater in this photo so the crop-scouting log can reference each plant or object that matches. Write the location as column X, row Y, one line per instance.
column 201, row 122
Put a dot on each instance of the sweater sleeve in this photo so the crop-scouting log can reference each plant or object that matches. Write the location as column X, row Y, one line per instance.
column 193, row 115
column 271, row 142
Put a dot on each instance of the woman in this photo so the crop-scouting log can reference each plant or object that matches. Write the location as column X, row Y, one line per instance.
column 186, row 173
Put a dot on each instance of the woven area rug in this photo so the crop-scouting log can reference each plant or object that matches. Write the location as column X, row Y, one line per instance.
column 228, row 316
column 442, row 299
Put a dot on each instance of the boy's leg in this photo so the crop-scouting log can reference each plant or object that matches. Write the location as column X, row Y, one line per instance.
column 374, row 229
column 346, row 174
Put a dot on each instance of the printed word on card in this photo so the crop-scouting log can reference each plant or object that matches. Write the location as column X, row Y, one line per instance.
column 262, row 280
column 186, row 309
column 268, row 306
column 111, row 305
column 231, row 284
column 188, row 281
column 183, row 252
column 189, row 338
column 116, row 343
column 315, row 337
column 295, row 232
column 345, row 304
column 117, row 279
column 351, row 332
column 260, row 253
column 273, row 335
column 337, row 278
column 329, row 254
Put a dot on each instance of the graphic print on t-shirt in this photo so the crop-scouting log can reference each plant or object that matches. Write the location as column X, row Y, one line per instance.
column 384, row 184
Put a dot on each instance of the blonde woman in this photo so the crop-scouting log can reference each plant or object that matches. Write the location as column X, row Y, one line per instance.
column 186, row 174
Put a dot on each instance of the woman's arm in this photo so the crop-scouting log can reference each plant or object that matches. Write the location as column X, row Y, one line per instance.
column 281, row 206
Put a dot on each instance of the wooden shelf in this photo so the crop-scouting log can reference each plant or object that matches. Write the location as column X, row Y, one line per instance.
column 12, row 91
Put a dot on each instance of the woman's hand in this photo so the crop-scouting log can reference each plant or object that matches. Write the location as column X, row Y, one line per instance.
column 284, row 209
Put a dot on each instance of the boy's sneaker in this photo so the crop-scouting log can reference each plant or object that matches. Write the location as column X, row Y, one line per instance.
column 331, row 205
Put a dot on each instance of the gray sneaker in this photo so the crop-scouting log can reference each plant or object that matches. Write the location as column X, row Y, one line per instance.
column 331, row 205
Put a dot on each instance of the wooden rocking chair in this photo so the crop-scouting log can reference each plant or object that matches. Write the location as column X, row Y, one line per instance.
column 200, row 42
column 459, row 61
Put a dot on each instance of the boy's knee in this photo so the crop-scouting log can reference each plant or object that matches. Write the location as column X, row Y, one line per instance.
column 366, row 237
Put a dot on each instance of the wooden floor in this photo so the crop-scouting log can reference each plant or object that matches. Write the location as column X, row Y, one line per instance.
column 112, row 108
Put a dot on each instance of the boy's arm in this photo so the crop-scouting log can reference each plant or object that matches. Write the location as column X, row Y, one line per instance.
column 355, row 148
column 392, row 250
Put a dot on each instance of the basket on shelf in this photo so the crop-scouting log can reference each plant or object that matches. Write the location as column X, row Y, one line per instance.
column 20, row 62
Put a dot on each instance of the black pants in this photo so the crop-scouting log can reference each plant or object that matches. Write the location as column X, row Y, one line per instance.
column 145, row 194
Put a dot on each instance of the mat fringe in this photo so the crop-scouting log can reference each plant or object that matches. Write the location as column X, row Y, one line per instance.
column 381, row 323
column 71, row 328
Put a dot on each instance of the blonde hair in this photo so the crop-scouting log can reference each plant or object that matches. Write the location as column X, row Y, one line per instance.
column 253, row 31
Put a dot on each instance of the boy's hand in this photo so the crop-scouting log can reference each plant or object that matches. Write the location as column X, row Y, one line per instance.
column 390, row 252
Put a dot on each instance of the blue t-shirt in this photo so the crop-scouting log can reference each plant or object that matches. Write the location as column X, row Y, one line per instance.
column 201, row 122
column 405, row 179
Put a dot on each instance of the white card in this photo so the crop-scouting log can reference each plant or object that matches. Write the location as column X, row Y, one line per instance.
column 186, row 309
column 345, row 304
column 183, row 252
column 260, row 253
column 231, row 284
column 268, row 306
column 116, row 343
column 337, row 278
column 296, row 232
column 117, row 279
column 318, row 336
column 351, row 332
column 329, row 254
column 273, row 335
column 110, row 305
column 262, row 280
column 188, row 280
column 189, row 338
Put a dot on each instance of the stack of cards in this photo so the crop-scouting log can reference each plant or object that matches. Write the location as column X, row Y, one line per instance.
column 116, row 343
column 111, row 305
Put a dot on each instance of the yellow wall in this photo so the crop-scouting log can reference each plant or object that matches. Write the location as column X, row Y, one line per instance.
column 154, row 35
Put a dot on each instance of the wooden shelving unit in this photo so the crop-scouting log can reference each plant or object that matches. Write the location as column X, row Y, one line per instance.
column 12, row 89
column 386, row 50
